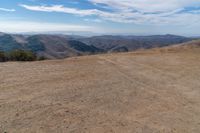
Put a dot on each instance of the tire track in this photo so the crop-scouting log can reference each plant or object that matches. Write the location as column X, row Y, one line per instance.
column 127, row 76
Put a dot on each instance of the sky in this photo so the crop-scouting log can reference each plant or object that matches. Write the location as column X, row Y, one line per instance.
column 127, row 17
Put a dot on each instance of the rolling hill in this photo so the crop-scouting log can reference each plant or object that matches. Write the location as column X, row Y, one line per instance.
column 62, row 46
column 132, row 43
column 49, row 46
column 146, row 91
column 191, row 46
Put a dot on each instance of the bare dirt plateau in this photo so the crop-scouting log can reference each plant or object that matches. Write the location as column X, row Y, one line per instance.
column 142, row 92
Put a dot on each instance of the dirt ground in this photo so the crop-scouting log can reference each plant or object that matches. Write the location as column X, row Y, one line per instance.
column 147, row 92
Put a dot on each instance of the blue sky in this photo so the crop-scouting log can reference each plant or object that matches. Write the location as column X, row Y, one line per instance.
column 138, row 17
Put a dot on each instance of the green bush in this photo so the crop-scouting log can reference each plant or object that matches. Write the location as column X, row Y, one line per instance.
column 21, row 55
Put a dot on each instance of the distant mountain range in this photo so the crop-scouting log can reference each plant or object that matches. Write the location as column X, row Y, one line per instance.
column 131, row 43
column 62, row 46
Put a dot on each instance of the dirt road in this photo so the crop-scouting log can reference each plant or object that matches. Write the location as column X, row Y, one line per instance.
column 148, row 92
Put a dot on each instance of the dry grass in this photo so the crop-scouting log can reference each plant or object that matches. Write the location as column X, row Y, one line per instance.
column 146, row 92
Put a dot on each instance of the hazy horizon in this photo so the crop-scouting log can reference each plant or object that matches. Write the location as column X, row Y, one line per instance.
column 90, row 34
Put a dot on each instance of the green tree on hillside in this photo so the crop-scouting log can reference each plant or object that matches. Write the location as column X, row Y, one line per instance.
column 21, row 55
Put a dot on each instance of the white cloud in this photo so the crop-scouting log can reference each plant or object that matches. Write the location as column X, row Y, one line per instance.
column 93, row 20
column 7, row 10
column 148, row 5
column 152, row 11
column 134, row 11
column 22, row 26
column 60, row 8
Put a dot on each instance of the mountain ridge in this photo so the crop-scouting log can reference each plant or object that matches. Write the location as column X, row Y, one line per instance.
column 63, row 46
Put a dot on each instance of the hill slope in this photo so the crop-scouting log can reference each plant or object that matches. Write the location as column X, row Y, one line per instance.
column 49, row 46
column 192, row 46
column 52, row 46
column 146, row 91
column 61, row 46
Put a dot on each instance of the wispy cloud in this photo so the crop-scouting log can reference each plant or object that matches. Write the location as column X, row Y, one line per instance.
column 148, row 5
column 61, row 8
column 7, row 10
column 137, row 11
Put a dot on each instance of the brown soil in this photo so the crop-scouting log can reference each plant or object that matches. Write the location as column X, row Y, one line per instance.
column 144, row 92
